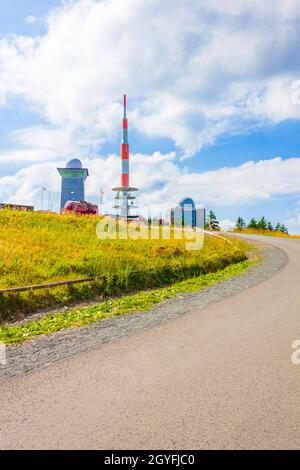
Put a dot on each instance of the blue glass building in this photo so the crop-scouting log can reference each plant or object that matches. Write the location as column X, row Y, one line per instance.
column 72, row 182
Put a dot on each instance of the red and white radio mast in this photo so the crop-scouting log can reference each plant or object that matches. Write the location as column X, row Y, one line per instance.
column 125, row 200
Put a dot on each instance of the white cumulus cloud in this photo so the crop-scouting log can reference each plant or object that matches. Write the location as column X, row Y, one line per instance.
column 192, row 72
column 30, row 19
column 162, row 182
column 227, row 224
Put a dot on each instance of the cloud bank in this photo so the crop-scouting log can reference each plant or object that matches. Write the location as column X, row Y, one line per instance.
column 192, row 74
column 238, row 186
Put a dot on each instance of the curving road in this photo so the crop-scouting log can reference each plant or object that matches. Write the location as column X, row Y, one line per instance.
column 220, row 377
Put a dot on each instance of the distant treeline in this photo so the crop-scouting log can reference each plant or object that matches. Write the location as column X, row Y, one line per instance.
column 262, row 225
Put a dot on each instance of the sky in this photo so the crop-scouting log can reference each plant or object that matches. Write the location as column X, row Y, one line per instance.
column 213, row 102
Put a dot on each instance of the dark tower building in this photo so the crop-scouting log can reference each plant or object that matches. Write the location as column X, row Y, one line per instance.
column 72, row 182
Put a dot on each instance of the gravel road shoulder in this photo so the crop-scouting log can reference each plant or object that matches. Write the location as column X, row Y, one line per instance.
column 47, row 349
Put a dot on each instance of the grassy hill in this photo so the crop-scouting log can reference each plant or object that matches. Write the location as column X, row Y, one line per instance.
column 39, row 248
column 268, row 233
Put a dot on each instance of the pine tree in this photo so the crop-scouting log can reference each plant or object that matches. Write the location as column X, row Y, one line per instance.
column 283, row 229
column 270, row 227
column 240, row 223
column 278, row 227
column 262, row 224
column 252, row 224
column 213, row 223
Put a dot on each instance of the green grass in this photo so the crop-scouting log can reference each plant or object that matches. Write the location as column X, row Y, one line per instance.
column 140, row 302
column 38, row 248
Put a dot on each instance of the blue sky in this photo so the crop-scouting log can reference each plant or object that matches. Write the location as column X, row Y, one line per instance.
column 14, row 14
column 211, row 98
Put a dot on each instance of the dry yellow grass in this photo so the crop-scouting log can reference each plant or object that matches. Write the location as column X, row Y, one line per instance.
column 269, row 233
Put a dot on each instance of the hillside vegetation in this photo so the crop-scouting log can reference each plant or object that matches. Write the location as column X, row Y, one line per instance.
column 262, row 225
column 75, row 317
column 39, row 248
column 269, row 233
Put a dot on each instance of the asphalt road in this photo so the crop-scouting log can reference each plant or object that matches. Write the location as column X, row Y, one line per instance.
column 220, row 377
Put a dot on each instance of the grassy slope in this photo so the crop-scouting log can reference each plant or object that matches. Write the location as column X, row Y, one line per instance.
column 139, row 302
column 39, row 248
column 268, row 233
